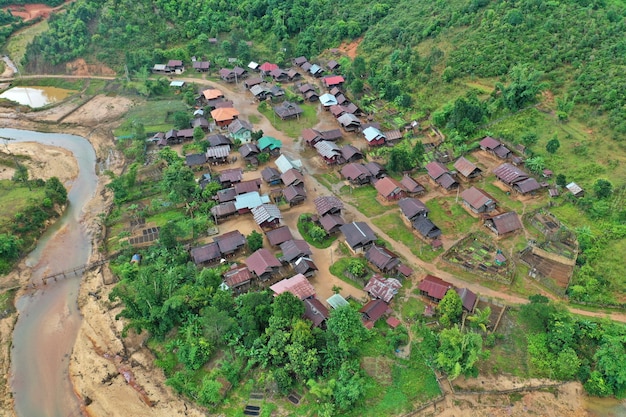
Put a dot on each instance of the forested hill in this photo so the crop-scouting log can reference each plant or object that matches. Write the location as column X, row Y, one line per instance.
column 579, row 45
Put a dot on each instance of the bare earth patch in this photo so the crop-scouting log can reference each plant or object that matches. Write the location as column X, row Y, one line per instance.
column 30, row 11
column 350, row 48
column 99, row 110
column 44, row 162
column 80, row 67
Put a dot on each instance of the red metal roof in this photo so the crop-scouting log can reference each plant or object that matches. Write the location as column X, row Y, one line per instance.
column 435, row 287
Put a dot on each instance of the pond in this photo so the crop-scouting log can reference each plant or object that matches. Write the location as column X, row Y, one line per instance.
column 36, row 97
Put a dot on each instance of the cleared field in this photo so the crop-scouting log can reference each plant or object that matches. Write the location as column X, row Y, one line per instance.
column 13, row 198
column 156, row 116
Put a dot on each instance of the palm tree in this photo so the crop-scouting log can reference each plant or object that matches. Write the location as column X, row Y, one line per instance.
column 480, row 319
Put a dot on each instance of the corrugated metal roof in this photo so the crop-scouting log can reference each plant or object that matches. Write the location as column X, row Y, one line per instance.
column 221, row 151
column 266, row 213
column 250, row 200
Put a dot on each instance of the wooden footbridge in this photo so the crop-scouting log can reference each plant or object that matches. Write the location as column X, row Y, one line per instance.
column 78, row 270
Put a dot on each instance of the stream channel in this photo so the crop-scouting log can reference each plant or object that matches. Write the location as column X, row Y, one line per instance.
column 49, row 317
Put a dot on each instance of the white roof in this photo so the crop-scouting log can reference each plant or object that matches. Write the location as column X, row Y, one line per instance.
column 250, row 200
column 177, row 83
column 284, row 164
column 198, row 112
column 574, row 188
column 253, row 65
column 328, row 100
column 372, row 133
column 159, row 67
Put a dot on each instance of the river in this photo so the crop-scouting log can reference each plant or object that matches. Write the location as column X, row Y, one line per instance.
column 49, row 317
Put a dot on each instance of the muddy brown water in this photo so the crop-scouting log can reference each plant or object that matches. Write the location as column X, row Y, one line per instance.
column 36, row 97
column 49, row 317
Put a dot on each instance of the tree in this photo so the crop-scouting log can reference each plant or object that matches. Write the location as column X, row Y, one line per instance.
column 179, row 182
column 288, row 307
column 209, row 393
column 480, row 318
column 345, row 331
column 458, row 352
column 602, row 188
column 561, row 180
column 356, row 267
column 181, row 120
column 263, row 157
column 529, row 138
column 169, row 234
column 56, row 191
column 198, row 134
column 536, row 164
column 400, row 159
column 9, row 246
column 316, row 233
column 610, row 358
column 450, row 309
column 418, row 152
column 255, row 241
column 553, row 145
column 522, row 89
column 21, row 173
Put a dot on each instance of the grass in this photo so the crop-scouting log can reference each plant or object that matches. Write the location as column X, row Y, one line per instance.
column 328, row 179
column 328, row 240
column 412, row 308
column 450, row 217
column 413, row 382
column 16, row 47
column 503, row 198
column 339, row 267
column 364, row 199
column 510, row 354
column 65, row 83
column 254, row 119
column 154, row 115
column 291, row 127
column 15, row 197
column 396, row 229
column 7, row 305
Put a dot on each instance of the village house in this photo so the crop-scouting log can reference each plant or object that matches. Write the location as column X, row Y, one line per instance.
column 328, row 204
column 206, row 254
column 412, row 208
column 358, row 235
column 389, row 189
column 330, row 152
column 575, row 189
column 224, row 210
column 351, row 153
column 218, row 154
column 227, row 75
column 240, row 130
column 251, row 82
column 372, row 311
column 382, row 258
column 287, row 110
column 294, row 75
column 284, row 164
column 441, row 175
column 494, row 147
column 253, row 66
column 411, row 186
column 228, row 177
column 266, row 68
column 279, row 235
column 504, row 223
column 195, row 160
column 247, row 186
column 305, row 266
column 377, row 170
column 333, row 65
column 467, row 169
column 357, row 174
column 315, row 70
column 309, row 92
column 292, row 177
column 263, row 264
column 218, row 140
column 225, row 195
column 349, row 122
column 328, row 101
column 331, row 223
column 516, row 179
column 240, row 73
column 279, row 75
column 200, row 122
column 231, row 242
column 267, row 216
column 434, row 288
column 249, row 152
column 212, row 94
column 238, row 279
column 382, row 288
column 333, row 81
column 478, row 201
column 271, row 176
column 299, row 61
column 202, row 66
column 298, row 285
column 270, row 145
column 426, row 227
column 294, row 194
column 294, row 249
column 244, row 203
column 224, row 116
column 315, row 312
column 374, row 136
column 468, row 298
